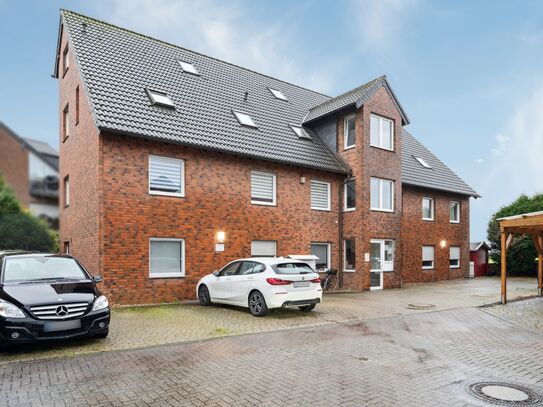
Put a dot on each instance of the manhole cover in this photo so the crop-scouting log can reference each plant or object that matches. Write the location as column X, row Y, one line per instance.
column 420, row 306
column 504, row 394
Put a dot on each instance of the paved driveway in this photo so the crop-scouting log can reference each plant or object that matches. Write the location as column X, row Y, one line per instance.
column 138, row 327
column 419, row 360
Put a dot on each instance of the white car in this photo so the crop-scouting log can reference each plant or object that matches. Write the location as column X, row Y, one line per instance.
column 261, row 284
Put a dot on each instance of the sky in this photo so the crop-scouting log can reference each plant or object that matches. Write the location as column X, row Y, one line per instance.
column 469, row 74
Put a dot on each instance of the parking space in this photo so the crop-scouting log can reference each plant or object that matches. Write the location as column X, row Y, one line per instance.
column 138, row 327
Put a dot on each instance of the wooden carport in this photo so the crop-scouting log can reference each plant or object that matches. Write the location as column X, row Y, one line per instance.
column 526, row 224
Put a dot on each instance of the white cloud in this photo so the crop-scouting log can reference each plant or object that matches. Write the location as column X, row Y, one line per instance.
column 515, row 164
column 228, row 31
column 501, row 146
column 378, row 23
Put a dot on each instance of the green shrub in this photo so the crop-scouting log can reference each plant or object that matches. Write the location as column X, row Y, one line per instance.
column 22, row 231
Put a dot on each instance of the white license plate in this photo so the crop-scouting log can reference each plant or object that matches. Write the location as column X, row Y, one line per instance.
column 298, row 284
column 61, row 326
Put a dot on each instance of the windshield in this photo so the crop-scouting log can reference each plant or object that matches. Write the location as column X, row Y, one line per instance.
column 19, row 270
column 292, row 268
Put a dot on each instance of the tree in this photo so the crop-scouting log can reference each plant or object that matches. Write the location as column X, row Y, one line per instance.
column 19, row 230
column 521, row 252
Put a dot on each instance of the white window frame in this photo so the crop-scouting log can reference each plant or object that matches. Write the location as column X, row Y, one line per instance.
column 345, row 208
column 328, row 252
column 433, row 258
column 300, row 132
column 66, row 191
column 168, row 275
column 244, row 119
column 380, row 134
column 155, row 102
column 432, row 208
column 66, row 122
column 266, row 241
column 188, row 67
column 457, row 212
column 274, row 201
column 450, row 258
column 182, row 169
column 346, row 131
column 392, row 197
column 278, row 94
column 345, row 269
column 329, row 195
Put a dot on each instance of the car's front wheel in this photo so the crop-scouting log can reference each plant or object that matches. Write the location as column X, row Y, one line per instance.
column 257, row 304
column 203, row 296
column 307, row 308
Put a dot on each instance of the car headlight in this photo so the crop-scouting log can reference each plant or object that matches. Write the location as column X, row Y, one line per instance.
column 100, row 303
column 8, row 310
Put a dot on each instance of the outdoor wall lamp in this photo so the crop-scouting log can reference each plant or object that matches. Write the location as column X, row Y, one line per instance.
column 443, row 244
column 221, row 236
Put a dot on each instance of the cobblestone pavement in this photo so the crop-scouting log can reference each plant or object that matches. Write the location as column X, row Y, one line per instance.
column 526, row 313
column 419, row 360
column 138, row 327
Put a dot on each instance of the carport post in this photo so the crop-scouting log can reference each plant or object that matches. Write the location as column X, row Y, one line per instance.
column 504, row 265
column 540, row 274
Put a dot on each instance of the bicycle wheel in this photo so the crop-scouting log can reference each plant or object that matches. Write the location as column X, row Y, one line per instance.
column 332, row 283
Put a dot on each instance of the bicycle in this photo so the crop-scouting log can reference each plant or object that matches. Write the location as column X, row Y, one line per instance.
column 331, row 281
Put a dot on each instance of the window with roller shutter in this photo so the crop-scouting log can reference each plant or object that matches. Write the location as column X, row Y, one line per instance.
column 166, row 176
column 263, row 187
column 320, row 195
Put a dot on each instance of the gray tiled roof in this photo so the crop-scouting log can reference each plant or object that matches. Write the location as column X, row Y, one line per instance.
column 357, row 97
column 439, row 177
column 118, row 65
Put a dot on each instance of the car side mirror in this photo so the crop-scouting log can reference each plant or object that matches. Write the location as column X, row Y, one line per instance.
column 97, row 279
column 216, row 273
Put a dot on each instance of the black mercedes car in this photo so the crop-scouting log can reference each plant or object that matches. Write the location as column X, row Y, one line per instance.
column 47, row 296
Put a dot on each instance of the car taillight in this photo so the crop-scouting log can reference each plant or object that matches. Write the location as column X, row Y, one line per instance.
column 278, row 281
column 316, row 280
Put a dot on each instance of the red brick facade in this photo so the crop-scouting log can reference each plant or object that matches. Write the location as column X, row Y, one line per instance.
column 112, row 216
column 14, row 166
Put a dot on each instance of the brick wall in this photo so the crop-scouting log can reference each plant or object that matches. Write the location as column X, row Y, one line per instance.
column 217, row 198
column 416, row 232
column 80, row 159
column 14, row 166
column 364, row 224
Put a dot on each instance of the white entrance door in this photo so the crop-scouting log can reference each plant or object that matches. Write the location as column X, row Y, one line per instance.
column 381, row 259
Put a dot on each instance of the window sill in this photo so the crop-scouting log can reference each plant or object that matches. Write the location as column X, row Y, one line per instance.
column 65, row 138
column 454, row 267
column 321, row 209
column 428, row 220
column 349, row 147
column 454, row 222
column 263, row 203
column 428, row 268
column 349, row 271
column 166, row 194
column 383, row 148
column 167, row 275
column 349, row 209
column 64, row 73
column 382, row 210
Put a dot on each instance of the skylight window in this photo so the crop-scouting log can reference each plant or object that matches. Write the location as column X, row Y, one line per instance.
column 160, row 98
column 278, row 94
column 244, row 119
column 300, row 132
column 422, row 162
column 188, row 67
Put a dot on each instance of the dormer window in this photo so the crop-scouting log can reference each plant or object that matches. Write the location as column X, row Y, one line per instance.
column 244, row 119
column 300, row 132
column 422, row 162
column 188, row 67
column 160, row 98
column 278, row 94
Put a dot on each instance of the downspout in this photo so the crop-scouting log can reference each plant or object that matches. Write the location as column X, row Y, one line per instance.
column 340, row 229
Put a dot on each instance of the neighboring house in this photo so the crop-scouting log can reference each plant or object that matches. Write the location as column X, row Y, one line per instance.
column 478, row 254
column 174, row 163
column 30, row 168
